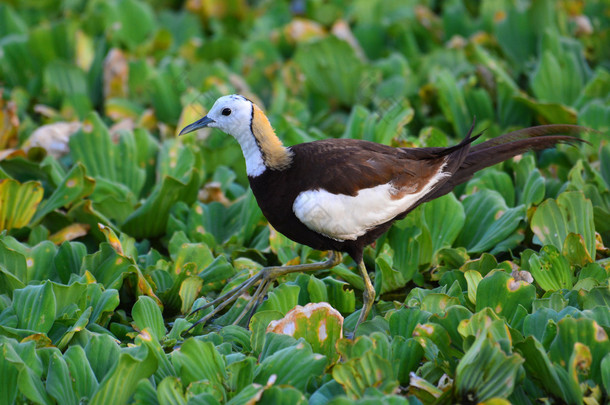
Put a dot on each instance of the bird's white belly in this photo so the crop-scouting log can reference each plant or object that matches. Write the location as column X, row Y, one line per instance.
column 344, row 217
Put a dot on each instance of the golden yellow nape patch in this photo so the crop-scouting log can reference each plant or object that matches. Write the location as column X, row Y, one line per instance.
column 275, row 155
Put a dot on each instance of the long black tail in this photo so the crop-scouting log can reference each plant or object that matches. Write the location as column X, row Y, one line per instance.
column 504, row 147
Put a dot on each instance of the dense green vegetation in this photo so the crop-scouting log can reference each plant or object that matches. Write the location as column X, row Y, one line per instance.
column 113, row 229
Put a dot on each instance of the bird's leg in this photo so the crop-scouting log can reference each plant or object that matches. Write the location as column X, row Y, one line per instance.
column 266, row 277
column 368, row 297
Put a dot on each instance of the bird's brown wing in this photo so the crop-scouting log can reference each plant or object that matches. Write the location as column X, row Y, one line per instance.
column 346, row 166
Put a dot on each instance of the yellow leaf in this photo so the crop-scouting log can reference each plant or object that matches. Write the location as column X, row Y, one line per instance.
column 18, row 202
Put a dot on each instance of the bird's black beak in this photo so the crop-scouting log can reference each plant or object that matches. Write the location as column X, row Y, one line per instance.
column 202, row 123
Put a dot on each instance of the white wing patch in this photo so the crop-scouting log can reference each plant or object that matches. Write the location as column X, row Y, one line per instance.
column 343, row 217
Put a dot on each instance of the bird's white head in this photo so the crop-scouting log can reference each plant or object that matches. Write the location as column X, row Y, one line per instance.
column 231, row 114
column 242, row 119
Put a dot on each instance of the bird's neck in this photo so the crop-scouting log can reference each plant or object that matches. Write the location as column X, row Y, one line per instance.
column 262, row 149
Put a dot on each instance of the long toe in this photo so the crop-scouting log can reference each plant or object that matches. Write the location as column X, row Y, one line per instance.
column 266, row 277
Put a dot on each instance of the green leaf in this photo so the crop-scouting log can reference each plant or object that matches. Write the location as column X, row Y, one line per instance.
column 549, row 112
column 93, row 146
column 487, row 321
column 570, row 213
column 120, row 383
column 444, row 218
column 195, row 253
column 164, row 89
column 9, row 374
column 12, row 22
column 31, row 386
column 281, row 364
column 216, row 274
column 23, row 358
column 451, row 320
column 605, row 366
column 516, row 34
column 34, row 306
column 74, row 187
column 283, row 395
column 69, row 298
column 147, row 314
column 79, row 325
column 113, row 200
column 598, row 296
column 436, row 303
column 386, row 278
column 436, row 343
column 550, row 269
column 176, row 160
column 404, row 321
column 108, row 267
column 103, row 302
column 189, row 291
column 150, row 219
column 246, row 396
column 533, row 190
column 452, row 101
column 316, row 289
column 331, row 69
column 496, row 180
column 275, row 342
column 258, row 325
column 604, row 158
column 410, row 353
column 326, row 393
column 557, row 78
column 473, row 278
column 8, row 282
column 68, row 259
column 197, row 360
column 170, row 392
column 103, row 354
column 369, row 370
column 14, row 261
column 539, row 367
column 67, row 84
column 164, row 365
column 241, row 374
column 584, row 331
column 39, row 259
column 504, row 295
column 490, row 219
column 394, row 119
column 83, row 378
column 340, row 296
column 282, row 299
column 59, row 382
column 145, row 393
column 134, row 19
column 486, row 372
column 412, row 246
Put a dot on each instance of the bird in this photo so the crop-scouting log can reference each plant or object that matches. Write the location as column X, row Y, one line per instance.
column 340, row 195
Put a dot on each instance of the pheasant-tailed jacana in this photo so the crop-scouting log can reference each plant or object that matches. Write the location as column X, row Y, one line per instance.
column 342, row 194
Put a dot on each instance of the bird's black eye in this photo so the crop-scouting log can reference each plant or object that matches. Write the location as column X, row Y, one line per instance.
column 226, row 111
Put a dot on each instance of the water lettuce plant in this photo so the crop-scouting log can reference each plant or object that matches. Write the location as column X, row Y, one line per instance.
column 112, row 229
